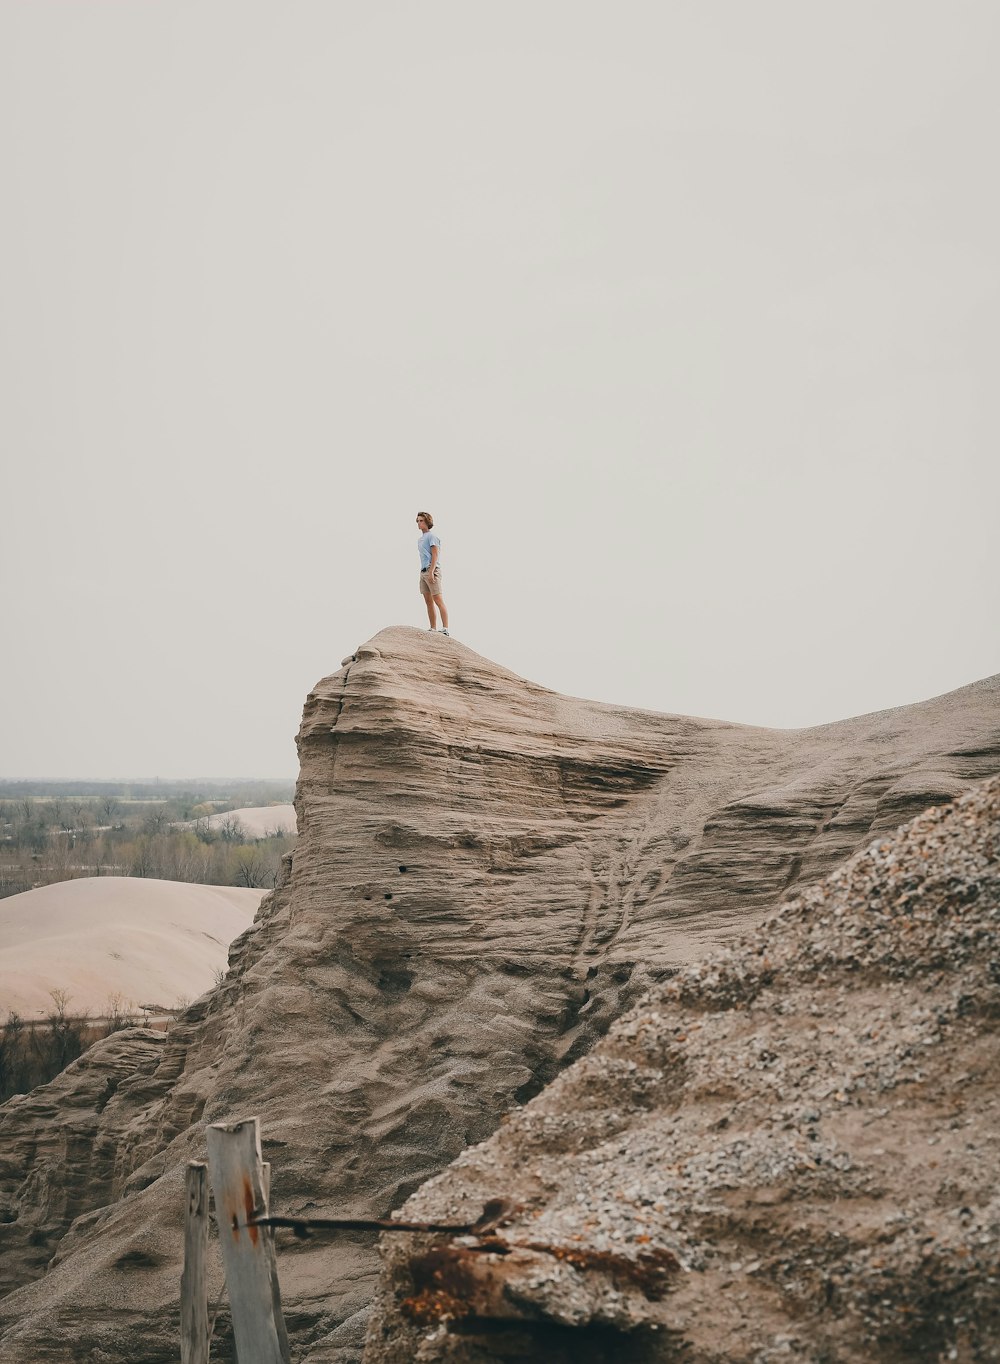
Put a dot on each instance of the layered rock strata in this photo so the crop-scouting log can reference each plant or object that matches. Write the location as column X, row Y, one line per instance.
column 487, row 875
column 63, row 1146
column 789, row 1150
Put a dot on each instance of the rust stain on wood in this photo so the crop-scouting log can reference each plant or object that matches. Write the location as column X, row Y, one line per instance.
column 249, row 1204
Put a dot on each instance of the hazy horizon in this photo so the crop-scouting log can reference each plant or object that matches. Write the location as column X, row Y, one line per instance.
column 291, row 778
column 146, row 779
column 680, row 320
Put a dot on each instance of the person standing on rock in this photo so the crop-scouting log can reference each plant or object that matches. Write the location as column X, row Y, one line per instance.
column 429, row 549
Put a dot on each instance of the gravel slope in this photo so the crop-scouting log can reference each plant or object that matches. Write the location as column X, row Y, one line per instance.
column 790, row 1151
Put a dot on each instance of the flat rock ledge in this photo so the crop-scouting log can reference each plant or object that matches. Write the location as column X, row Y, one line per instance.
column 788, row 1152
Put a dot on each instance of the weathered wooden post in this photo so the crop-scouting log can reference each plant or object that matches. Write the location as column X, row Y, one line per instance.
column 194, row 1284
column 241, row 1195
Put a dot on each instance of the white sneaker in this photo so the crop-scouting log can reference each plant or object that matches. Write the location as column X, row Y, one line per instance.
column 446, row 632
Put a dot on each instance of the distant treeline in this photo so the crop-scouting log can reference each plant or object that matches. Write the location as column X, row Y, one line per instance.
column 240, row 790
column 52, row 831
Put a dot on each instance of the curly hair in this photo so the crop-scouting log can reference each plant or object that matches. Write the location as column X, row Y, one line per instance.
column 428, row 518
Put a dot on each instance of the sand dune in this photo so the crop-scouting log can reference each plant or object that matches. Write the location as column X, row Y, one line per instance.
column 260, row 820
column 152, row 942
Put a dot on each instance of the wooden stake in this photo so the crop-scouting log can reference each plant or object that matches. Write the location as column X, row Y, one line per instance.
column 238, row 1184
column 194, row 1284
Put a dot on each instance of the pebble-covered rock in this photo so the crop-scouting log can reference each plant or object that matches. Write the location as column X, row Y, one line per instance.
column 808, row 1122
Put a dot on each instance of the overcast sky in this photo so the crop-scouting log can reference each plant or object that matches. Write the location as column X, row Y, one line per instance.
column 681, row 317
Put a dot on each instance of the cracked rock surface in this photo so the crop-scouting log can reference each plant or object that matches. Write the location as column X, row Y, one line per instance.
column 807, row 1123
column 487, row 876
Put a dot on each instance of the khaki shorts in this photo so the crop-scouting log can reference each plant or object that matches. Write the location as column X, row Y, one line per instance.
column 425, row 583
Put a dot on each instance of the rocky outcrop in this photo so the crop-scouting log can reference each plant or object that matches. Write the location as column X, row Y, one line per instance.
column 486, row 876
column 789, row 1151
column 60, row 1148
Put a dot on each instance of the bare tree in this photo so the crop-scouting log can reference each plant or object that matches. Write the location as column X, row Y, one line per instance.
column 230, row 830
column 140, row 858
column 13, row 1068
column 253, row 871
column 120, row 1014
column 63, row 1037
column 155, row 822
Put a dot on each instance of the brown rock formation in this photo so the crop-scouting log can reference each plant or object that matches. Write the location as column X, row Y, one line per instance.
column 62, row 1146
column 789, row 1151
column 487, row 875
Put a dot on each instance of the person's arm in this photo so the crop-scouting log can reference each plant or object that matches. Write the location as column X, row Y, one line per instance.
column 435, row 551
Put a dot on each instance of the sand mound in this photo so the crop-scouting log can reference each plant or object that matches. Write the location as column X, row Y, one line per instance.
column 152, row 942
column 259, row 821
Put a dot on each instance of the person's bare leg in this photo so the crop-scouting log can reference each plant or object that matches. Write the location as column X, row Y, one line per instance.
column 431, row 614
column 439, row 600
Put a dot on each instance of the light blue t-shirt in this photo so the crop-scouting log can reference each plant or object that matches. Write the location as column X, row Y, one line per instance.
column 424, row 548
